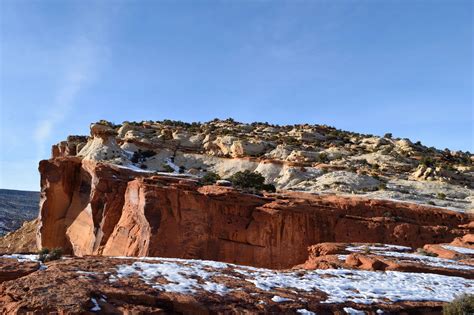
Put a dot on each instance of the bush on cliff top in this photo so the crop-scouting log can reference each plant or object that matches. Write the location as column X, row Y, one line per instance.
column 210, row 178
column 251, row 181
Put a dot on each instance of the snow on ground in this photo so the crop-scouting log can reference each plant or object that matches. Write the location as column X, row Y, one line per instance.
column 133, row 168
column 96, row 306
column 26, row 257
column 352, row 311
column 378, row 247
column 461, row 250
column 341, row 285
column 173, row 166
column 22, row 257
column 279, row 299
column 384, row 250
column 181, row 278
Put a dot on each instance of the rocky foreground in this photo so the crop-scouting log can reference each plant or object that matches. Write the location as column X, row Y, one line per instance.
column 338, row 278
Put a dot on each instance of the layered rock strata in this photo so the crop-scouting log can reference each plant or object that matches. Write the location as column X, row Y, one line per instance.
column 91, row 208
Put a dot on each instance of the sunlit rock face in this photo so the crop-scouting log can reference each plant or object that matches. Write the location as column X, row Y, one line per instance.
column 91, row 207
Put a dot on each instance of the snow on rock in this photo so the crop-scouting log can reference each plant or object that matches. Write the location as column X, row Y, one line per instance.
column 279, row 299
column 461, row 250
column 341, row 285
column 305, row 312
column 377, row 247
column 181, row 278
column 23, row 257
column 96, row 307
column 352, row 311
column 175, row 167
column 26, row 257
column 400, row 252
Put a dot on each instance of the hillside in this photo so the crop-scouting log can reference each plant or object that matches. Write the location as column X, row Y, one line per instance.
column 309, row 158
column 16, row 207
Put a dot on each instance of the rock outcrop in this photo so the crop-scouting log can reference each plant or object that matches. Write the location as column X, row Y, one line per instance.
column 90, row 207
column 301, row 157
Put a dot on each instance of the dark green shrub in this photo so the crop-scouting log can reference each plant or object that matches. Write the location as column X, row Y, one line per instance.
column 441, row 196
column 141, row 156
column 427, row 161
column 210, row 178
column 421, row 251
column 322, row 158
column 249, row 181
column 388, row 135
column 462, row 305
column 167, row 168
column 45, row 254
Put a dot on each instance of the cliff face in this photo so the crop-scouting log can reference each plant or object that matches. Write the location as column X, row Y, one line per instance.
column 90, row 207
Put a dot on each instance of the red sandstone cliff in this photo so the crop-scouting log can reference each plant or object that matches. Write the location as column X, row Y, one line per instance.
column 90, row 207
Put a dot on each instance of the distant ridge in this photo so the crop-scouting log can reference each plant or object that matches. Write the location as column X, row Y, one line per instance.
column 16, row 207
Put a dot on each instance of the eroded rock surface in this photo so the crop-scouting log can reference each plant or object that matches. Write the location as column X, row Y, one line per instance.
column 311, row 158
column 91, row 207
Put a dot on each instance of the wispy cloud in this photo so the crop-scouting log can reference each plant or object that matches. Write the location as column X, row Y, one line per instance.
column 82, row 62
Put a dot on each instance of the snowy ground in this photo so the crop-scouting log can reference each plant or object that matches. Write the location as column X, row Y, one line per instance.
column 187, row 276
column 461, row 250
column 340, row 285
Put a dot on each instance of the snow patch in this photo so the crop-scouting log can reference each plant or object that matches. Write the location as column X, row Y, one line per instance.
column 96, row 307
column 461, row 250
column 181, row 278
column 353, row 311
column 279, row 299
column 341, row 285
column 409, row 257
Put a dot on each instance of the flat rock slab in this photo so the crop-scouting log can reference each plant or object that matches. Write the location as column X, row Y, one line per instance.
column 11, row 268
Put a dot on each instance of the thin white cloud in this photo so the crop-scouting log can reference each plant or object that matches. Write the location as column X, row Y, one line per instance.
column 79, row 72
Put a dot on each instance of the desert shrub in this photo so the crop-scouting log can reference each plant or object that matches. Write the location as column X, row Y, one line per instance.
column 427, row 161
column 250, row 181
column 45, row 254
column 140, row 156
column 366, row 250
column 210, row 178
column 421, row 251
column 290, row 141
column 462, row 305
column 167, row 168
column 441, row 196
column 322, row 158
column 388, row 135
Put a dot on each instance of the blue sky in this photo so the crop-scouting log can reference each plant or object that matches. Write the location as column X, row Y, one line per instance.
column 404, row 67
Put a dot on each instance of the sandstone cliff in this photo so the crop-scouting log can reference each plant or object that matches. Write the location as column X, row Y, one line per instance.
column 91, row 207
